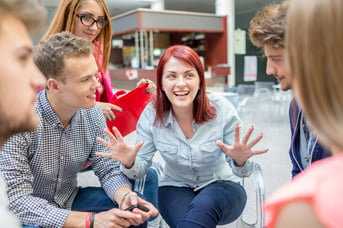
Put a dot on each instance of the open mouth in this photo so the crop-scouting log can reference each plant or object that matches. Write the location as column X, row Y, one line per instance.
column 184, row 93
column 279, row 78
column 93, row 96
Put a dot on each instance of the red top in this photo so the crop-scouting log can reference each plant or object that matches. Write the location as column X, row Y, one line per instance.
column 107, row 95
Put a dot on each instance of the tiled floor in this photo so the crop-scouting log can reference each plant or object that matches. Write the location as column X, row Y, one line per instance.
column 268, row 114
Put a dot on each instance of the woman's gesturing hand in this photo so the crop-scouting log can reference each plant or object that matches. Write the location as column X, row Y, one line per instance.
column 120, row 150
column 241, row 151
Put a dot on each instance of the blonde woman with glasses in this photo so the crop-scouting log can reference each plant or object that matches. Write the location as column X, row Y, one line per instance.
column 90, row 19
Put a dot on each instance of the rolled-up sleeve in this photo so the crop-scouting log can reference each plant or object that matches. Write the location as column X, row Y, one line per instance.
column 242, row 171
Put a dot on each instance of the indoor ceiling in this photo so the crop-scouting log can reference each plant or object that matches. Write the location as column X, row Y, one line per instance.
column 117, row 7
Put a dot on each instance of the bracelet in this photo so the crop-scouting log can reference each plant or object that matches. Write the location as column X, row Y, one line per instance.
column 88, row 219
column 92, row 220
column 122, row 199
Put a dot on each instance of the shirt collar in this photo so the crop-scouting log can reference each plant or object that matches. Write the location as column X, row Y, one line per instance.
column 49, row 114
column 170, row 120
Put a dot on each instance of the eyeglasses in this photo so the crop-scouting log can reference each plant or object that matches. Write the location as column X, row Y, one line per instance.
column 88, row 21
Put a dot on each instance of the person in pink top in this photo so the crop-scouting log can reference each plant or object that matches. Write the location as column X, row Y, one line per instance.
column 90, row 19
column 314, row 47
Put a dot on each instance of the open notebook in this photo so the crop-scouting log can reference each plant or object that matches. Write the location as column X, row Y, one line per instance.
column 133, row 104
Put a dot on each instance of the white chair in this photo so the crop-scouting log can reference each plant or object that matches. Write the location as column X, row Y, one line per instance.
column 140, row 183
column 281, row 101
column 258, row 189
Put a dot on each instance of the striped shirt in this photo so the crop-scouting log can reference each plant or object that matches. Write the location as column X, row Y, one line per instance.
column 41, row 167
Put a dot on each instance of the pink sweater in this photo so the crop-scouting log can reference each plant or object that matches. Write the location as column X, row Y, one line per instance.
column 321, row 185
column 108, row 94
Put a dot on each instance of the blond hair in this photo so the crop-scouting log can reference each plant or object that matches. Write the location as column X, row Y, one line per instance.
column 64, row 20
column 268, row 26
column 315, row 50
column 30, row 12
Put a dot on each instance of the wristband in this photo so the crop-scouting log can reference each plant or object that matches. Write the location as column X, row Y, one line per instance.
column 88, row 219
column 92, row 220
column 122, row 199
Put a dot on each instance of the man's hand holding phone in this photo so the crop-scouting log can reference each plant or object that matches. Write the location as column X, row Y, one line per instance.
column 137, row 205
column 140, row 207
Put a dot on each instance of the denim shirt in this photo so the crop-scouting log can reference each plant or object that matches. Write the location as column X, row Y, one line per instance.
column 191, row 162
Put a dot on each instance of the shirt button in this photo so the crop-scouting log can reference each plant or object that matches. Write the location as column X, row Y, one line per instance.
column 197, row 178
column 62, row 157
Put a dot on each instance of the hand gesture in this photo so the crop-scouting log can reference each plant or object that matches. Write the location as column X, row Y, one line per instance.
column 240, row 151
column 107, row 110
column 120, row 150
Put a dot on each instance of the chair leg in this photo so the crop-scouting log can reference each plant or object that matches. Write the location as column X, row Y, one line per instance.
column 260, row 196
column 139, row 184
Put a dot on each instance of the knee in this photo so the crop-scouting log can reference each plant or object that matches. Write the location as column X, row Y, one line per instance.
column 227, row 201
column 152, row 177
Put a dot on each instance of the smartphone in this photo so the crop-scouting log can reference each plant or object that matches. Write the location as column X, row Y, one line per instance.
column 141, row 207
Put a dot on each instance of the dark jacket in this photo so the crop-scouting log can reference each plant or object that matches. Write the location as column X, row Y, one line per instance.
column 319, row 152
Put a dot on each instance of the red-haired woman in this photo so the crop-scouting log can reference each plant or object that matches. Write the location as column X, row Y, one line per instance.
column 197, row 134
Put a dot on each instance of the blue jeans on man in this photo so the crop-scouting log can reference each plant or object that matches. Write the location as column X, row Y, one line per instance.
column 94, row 199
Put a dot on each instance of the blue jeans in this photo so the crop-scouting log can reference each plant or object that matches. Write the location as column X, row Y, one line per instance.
column 150, row 189
column 219, row 203
column 94, row 199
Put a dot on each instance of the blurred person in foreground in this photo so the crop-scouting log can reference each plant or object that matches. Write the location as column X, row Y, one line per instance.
column 19, row 78
column 314, row 50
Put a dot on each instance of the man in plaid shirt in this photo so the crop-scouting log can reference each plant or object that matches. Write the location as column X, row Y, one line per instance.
column 41, row 167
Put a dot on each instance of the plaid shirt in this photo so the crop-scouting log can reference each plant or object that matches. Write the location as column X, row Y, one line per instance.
column 41, row 167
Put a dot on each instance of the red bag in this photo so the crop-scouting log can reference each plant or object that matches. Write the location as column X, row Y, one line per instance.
column 133, row 104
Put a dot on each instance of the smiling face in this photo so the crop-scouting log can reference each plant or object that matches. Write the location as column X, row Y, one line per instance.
column 180, row 83
column 93, row 9
column 276, row 66
column 20, row 79
column 77, row 90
